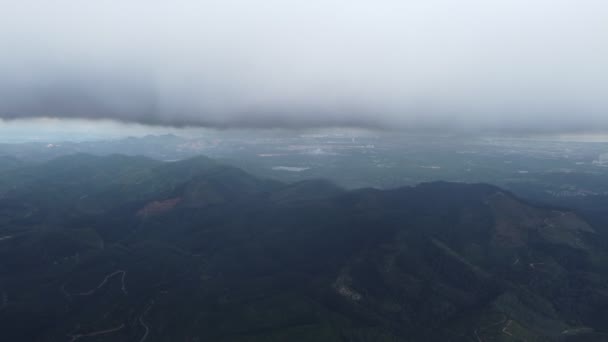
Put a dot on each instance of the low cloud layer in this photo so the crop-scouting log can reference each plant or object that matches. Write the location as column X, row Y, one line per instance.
column 473, row 65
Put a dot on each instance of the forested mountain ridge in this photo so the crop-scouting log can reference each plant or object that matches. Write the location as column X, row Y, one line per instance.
column 130, row 249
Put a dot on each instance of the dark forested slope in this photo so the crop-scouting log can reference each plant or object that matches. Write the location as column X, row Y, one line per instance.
column 130, row 249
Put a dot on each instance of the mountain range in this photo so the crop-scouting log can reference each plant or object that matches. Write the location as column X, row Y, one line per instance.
column 123, row 248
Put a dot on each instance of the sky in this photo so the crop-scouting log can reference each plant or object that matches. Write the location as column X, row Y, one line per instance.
column 514, row 66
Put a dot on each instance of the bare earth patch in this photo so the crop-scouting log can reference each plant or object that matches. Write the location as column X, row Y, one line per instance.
column 158, row 207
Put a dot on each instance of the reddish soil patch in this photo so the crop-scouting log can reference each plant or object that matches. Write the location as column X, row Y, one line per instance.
column 158, row 207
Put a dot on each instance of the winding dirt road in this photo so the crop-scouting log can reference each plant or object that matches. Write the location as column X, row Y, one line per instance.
column 143, row 324
column 76, row 337
column 103, row 282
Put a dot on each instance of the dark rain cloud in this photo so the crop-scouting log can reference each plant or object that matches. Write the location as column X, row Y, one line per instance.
column 436, row 65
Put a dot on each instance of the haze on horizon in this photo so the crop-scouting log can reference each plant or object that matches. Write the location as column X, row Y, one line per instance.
column 436, row 65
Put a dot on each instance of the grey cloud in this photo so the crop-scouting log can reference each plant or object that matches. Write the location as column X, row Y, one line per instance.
column 437, row 65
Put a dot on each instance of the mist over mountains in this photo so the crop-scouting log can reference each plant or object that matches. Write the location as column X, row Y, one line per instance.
column 318, row 170
column 436, row 66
